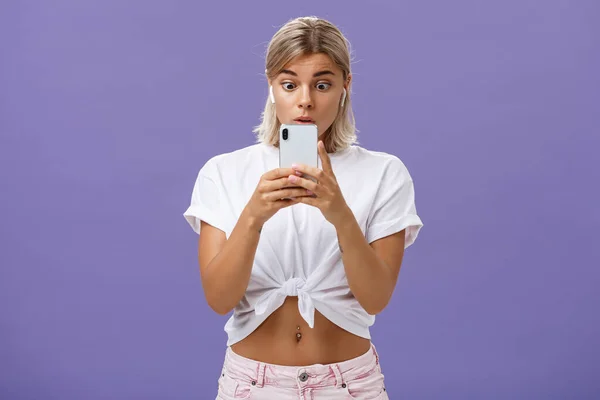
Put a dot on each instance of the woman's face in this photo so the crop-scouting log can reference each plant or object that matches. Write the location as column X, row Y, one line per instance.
column 310, row 86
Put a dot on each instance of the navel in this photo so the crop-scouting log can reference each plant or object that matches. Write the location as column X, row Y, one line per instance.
column 298, row 333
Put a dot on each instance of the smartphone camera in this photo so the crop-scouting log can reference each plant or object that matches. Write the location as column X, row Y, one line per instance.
column 285, row 134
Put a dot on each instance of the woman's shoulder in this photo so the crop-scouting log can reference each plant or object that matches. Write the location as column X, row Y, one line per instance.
column 238, row 153
column 376, row 158
column 237, row 157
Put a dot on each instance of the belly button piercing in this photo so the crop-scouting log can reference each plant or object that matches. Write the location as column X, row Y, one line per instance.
column 298, row 335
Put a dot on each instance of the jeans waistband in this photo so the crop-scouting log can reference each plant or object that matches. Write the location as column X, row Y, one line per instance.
column 336, row 374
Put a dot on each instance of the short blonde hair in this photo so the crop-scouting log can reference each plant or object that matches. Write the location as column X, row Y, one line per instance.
column 302, row 36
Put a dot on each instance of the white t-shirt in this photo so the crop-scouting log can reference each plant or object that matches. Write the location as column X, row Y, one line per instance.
column 298, row 252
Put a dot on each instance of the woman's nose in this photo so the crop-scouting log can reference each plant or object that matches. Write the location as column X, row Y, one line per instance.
column 305, row 100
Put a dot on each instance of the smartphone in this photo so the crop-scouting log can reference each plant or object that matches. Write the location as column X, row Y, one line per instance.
column 298, row 145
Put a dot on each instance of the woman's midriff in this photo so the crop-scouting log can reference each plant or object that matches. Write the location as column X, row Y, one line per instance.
column 276, row 340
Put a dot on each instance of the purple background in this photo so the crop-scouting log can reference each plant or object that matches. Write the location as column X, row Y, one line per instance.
column 109, row 108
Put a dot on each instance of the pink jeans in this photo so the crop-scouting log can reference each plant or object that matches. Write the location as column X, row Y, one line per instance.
column 358, row 378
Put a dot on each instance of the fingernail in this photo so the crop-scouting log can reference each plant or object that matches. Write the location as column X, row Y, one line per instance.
column 293, row 178
column 308, row 192
column 294, row 166
column 298, row 173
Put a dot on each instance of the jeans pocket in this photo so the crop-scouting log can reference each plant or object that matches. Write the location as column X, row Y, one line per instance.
column 367, row 387
column 231, row 388
column 244, row 390
column 227, row 387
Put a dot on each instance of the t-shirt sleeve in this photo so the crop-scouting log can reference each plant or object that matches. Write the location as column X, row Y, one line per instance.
column 206, row 200
column 394, row 206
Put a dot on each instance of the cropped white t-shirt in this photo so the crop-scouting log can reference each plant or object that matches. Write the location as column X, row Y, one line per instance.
column 298, row 252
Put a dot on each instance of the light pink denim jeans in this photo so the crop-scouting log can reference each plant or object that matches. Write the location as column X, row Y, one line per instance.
column 358, row 378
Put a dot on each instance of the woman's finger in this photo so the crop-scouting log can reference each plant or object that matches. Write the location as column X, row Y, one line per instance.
column 305, row 183
column 316, row 173
column 311, row 201
column 325, row 160
column 287, row 193
column 287, row 202
column 277, row 173
column 277, row 184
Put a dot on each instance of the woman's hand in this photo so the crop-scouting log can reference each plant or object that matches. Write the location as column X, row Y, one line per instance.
column 327, row 194
column 272, row 193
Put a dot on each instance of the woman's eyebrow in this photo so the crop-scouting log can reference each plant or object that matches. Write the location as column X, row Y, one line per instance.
column 321, row 73
column 316, row 74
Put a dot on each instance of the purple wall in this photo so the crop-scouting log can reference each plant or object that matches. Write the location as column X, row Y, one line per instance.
column 109, row 108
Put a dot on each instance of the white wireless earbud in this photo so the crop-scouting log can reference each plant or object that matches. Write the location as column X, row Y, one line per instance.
column 343, row 97
column 271, row 94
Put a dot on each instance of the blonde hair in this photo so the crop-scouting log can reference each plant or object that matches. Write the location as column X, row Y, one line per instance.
column 303, row 36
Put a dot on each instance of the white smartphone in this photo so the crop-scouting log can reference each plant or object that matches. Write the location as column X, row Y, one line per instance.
column 298, row 145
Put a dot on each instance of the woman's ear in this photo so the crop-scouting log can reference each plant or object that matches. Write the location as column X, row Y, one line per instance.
column 346, row 89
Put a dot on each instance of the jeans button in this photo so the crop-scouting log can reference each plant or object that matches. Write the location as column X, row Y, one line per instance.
column 303, row 377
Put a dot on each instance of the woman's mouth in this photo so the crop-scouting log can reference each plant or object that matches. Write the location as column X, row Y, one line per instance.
column 304, row 120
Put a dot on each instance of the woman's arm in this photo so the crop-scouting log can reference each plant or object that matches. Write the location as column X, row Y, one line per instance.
column 372, row 270
column 226, row 264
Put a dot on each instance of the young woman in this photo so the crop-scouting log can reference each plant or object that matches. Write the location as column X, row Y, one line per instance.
column 304, row 277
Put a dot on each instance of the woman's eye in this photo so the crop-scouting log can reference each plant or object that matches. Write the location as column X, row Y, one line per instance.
column 323, row 86
column 288, row 86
